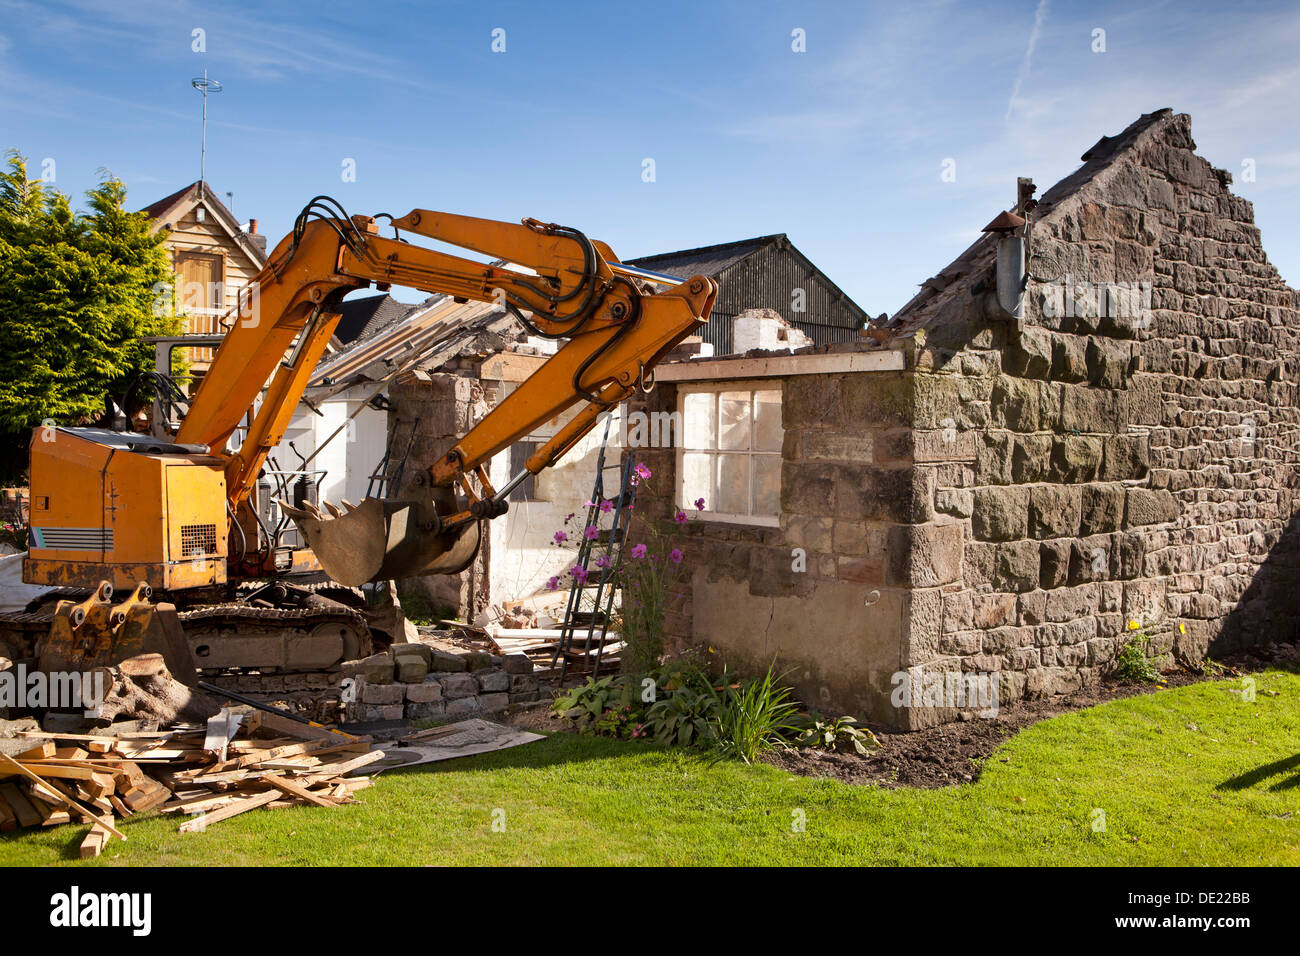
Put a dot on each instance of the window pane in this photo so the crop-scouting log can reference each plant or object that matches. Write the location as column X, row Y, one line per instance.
column 696, row 475
column 733, row 484
column 734, row 413
column 767, row 421
column 699, row 424
column 767, row 484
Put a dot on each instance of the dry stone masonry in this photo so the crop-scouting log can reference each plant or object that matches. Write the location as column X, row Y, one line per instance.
column 421, row 680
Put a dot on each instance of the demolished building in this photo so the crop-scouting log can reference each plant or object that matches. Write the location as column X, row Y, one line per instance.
column 1009, row 494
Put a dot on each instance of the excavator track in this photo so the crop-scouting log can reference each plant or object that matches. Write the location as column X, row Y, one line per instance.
column 288, row 654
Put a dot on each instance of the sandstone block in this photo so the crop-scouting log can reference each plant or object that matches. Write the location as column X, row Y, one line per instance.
column 423, row 693
column 1053, row 511
column 1075, row 459
column 1102, row 508
column 378, row 668
column 459, row 685
column 924, row 555
column 1001, row 513
column 1144, row 506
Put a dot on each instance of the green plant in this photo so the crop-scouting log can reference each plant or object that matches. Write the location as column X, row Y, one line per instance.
column 1132, row 662
column 842, row 734
column 587, row 704
column 756, row 716
column 79, row 293
column 685, row 717
column 623, row 721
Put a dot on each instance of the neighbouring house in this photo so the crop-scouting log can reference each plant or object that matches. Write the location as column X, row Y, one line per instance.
column 974, row 498
column 766, row 273
column 213, row 255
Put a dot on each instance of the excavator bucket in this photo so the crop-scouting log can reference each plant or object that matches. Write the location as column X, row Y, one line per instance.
column 98, row 633
column 383, row 539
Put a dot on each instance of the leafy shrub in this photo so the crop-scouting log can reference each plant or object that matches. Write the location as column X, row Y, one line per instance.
column 685, row 718
column 1132, row 663
column 757, row 715
column 588, row 703
column 842, row 734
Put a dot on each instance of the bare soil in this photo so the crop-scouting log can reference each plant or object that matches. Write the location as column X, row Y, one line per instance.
column 953, row 754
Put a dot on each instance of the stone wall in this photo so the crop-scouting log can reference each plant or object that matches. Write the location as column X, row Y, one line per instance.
column 829, row 592
column 1024, row 493
column 443, row 406
column 419, row 680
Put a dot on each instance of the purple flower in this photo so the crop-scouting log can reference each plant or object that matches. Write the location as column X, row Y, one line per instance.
column 603, row 561
column 589, row 504
column 606, row 506
column 580, row 574
column 699, row 504
column 568, row 517
column 640, row 473
column 561, row 537
column 680, row 517
column 675, row 555
column 638, row 551
column 592, row 533
column 553, row 583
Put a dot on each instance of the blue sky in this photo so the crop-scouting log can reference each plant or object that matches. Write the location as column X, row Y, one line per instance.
column 841, row 146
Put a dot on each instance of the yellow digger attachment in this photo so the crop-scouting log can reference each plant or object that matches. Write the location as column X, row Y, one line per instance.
column 98, row 633
column 383, row 539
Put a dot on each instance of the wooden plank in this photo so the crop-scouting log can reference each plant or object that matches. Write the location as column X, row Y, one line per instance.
column 21, row 806
column 7, row 761
column 298, row 790
column 329, row 771
column 240, row 805
column 139, row 800
column 291, row 728
column 62, row 771
column 94, row 842
column 36, row 753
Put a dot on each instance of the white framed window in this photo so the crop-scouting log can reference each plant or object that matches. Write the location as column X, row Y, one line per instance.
column 730, row 453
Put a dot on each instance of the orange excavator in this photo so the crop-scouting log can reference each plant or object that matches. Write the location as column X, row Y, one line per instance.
column 125, row 508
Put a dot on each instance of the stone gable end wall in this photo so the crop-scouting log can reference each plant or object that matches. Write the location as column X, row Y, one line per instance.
column 1129, row 468
column 1013, row 499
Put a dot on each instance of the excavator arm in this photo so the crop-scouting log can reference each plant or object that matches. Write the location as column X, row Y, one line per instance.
column 559, row 283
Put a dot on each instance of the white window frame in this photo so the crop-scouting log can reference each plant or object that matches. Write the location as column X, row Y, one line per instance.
column 746, row 385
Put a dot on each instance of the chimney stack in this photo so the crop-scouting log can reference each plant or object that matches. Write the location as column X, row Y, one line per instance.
column 252, row 227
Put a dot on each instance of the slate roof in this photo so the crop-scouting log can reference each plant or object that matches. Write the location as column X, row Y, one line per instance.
column 710, row 261
column 365, row 316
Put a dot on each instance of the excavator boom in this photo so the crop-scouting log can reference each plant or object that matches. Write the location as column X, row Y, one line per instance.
column 612, row 326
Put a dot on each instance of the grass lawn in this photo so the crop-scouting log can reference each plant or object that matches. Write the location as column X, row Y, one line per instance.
column 1186, row 776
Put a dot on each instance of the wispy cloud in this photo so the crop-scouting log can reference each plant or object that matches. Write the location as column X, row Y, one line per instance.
column 1040, row 17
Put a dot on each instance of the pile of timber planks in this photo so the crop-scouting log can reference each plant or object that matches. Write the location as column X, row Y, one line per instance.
column 203, row 775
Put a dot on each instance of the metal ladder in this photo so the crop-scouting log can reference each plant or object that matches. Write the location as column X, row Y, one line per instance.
column 608, row 542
